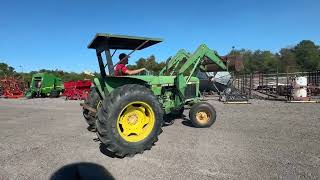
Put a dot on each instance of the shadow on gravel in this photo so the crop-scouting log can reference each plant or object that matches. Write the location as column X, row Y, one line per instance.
column 91, row 129
column 105, row 151
column 82, row 171
column 96, row 139
column 170, row 119
column 187, row 122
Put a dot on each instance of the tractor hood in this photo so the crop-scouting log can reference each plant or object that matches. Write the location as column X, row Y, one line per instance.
column 154, row 82
column 150, row 80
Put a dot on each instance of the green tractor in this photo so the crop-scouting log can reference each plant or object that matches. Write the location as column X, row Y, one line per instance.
column 128, row 111
column 44, row 85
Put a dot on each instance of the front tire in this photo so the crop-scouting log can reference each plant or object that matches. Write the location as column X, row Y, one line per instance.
column 129, row 120
column 202, row 115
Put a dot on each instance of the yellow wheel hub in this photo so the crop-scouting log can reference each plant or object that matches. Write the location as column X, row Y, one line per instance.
column 203, row 117
column 135, row 121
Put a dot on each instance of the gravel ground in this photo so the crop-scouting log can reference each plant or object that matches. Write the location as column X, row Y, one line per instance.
column 262, row 140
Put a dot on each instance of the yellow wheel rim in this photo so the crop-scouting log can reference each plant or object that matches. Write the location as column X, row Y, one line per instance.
column 135, row 121
column 203, row 117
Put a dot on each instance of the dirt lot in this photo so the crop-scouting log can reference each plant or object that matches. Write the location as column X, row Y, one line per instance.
column 264, row 140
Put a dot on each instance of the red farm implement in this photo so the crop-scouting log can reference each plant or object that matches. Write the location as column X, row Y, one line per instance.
column 10, row 87
column 77, row 90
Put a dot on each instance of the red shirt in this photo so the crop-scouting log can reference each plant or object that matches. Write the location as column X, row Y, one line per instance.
column 120, row 70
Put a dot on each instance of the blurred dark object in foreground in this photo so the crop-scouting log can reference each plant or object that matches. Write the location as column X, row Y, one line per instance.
column 82, row 171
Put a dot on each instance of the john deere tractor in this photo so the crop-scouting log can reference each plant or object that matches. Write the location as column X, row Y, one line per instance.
column 128, row 111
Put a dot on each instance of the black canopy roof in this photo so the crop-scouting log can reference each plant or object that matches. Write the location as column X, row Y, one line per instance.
column 113, row 41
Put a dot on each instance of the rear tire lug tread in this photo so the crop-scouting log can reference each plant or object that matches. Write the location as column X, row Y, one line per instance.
column 129, row 90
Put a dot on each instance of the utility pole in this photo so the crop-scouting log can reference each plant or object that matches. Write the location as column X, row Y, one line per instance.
column 22, row 72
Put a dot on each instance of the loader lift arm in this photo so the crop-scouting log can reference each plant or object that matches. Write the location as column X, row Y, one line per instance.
column 189, row 67
column 173, row 62
column 182, row 62
column 195, row 62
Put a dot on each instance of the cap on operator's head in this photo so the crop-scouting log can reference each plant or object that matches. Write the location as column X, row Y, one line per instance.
column 122, row 55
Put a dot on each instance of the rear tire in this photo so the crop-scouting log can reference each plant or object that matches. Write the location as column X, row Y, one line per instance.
column 202, row 115
column 117, row 111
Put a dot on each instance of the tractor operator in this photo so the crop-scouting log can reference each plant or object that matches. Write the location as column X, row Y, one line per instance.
column 122, row 70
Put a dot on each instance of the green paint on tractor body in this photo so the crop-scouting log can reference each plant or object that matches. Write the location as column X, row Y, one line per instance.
column 164, row 87
column 43, row 85
column 177, row 84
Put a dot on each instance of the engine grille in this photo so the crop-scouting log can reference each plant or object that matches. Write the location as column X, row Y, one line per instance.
column 190, row 91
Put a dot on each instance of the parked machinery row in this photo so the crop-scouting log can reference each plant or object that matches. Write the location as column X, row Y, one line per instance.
column 44, row 85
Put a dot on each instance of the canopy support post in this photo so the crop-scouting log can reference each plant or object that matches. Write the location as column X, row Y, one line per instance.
column 101, row 65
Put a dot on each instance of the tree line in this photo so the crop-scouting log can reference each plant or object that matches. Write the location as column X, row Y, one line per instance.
column 305, row 56
column 9, row 71
column 149, row 63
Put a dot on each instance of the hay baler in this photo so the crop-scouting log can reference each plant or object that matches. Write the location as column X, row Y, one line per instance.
column 128, row 111
column 44, row 85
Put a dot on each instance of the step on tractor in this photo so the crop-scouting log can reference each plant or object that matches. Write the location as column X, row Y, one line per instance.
column 44, row 85
column 128, row 111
